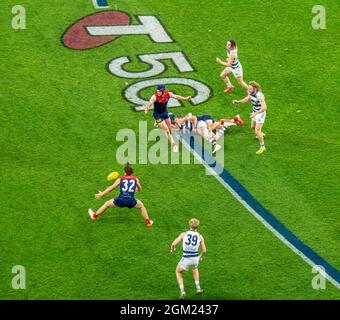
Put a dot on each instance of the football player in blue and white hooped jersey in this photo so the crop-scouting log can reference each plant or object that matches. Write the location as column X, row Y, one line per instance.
column 232, row 65
column 128, row 185
column 191, row 240
column 258, row 116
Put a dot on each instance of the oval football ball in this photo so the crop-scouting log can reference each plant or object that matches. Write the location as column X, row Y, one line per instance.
column 113, row 176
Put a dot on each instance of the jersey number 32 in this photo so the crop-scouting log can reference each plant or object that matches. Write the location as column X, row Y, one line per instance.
column 128, row 185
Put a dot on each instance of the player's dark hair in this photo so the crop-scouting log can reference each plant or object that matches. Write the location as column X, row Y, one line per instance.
column 232, row 42
column 128, row 169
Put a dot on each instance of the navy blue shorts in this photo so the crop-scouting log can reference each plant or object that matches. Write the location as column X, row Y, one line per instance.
column 159, row 117
column 205, row 117
column 125, row 202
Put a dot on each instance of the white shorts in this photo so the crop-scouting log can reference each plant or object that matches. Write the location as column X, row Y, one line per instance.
column 201, row 124
column 188, row 263
column 238, row 72
column 259, row 118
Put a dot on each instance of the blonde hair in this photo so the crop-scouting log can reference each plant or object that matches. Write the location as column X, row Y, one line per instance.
column 255, row 85
column 194, row 223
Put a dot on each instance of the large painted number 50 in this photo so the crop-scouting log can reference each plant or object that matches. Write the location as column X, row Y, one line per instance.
column 154, row 59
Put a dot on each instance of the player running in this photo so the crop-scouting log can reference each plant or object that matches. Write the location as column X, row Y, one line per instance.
column 191, row 241
column 258, row 116
column 232, row 65
column 128, row 184
column 160, row 112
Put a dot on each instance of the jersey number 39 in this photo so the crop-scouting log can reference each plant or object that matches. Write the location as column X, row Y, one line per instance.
column 191, row 240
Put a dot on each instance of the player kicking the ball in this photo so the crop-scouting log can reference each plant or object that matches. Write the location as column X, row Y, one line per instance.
column 232, row 65
column 160, row 112
column 191, row 241
column 128, row 184
column 258, row 116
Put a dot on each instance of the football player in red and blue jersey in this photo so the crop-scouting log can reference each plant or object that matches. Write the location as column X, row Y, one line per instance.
column 128, row 185
column 160, row 111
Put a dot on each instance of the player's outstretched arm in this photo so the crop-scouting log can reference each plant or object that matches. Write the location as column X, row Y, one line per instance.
column 147, row 107
column 108, row 190
column 149, row 104
column 176, row 242
column 244, row 100
column 204, row 248
column 177, row 97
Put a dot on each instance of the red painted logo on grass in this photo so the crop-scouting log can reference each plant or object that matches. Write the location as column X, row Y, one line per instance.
column 77, row 37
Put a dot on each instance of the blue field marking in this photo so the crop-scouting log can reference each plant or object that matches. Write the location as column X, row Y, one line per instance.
column 256, row 209
column 100, row 3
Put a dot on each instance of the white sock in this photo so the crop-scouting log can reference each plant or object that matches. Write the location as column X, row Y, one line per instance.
column 227, row 81
column 197, row 284
column 181, row 287
column 212, row 141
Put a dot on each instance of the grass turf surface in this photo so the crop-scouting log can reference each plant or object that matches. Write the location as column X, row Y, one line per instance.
column 61, row 110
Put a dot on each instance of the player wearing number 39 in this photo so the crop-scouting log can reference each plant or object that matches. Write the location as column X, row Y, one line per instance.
column 191, row 258
column 160, row 112
column 128, row 184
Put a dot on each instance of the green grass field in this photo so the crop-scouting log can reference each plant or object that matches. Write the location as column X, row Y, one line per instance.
column 61, row 110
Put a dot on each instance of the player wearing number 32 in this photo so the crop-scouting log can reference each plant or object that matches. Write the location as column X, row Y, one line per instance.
column 128, row 184
column 160, row 111
column 191, row 258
